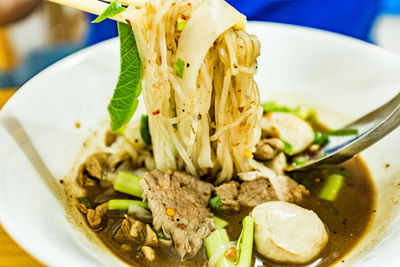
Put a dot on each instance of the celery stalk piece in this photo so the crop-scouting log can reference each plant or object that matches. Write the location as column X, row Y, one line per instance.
column 123, row 204
column 129, row 184
column 218, row 222
column 331, row 187
column 244, row 246
column 214, row 242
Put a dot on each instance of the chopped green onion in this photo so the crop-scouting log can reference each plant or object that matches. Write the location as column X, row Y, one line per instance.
column 123, row 204
column 180, row 24
column 215, row 202
column 244, row 245
column 288, row 148
column 331, row 187
column 129, row 184
column 160, row 234
column 219, row 223
column 179, row 67
column 274, row 107
column 84, row 201
column 213, row 244
column 113, row 9
column 342, row 132
column 310, row 116
column 320, row 138
column 299, row 162
column 144, row 129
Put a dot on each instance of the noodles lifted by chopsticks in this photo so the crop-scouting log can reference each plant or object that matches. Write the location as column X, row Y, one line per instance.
column 207, row 120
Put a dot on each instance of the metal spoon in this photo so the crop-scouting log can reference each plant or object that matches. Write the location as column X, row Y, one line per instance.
column 371, row 128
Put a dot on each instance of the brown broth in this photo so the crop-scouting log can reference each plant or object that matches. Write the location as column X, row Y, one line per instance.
column 347, row 219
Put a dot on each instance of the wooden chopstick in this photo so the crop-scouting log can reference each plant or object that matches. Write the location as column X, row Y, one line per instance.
column 91, row 6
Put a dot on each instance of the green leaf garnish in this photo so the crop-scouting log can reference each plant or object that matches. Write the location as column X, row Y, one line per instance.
column 179, row 67
column 124, row 101
column 144, row 129
column 113, row 9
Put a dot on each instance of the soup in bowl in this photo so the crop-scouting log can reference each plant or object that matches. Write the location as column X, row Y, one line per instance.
column 339, row 77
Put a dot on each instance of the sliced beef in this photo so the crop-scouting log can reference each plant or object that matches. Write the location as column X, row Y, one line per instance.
column 292, row 191
column 268, row 148
column 259, row 189
column 92, row 169
column 256, row 192
column 178, row 202
column 228, row 193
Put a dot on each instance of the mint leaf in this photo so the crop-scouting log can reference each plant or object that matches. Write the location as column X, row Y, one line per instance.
column 113, row 9
column 124, row 101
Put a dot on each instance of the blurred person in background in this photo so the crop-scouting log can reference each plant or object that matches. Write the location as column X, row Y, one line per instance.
column 14, row 10
column 354, row 18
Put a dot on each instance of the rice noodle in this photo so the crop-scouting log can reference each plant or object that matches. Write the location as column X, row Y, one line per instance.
column 208, row 119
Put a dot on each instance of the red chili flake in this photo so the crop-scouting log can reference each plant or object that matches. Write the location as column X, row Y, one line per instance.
column 156, row 112
column 182, row 226
column 191, row 126
column 189, row 4
column 240, row 109
column 230, row 253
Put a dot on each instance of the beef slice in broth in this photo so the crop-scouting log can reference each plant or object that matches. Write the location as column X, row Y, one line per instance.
column 178, row 202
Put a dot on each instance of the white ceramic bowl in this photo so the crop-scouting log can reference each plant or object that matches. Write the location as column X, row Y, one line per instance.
column 39, row 143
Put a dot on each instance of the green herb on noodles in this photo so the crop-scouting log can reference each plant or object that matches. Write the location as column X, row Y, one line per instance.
column 124, row 101
column 179, row 67
column 144, row 129
column 180, row 24
column 113, row 9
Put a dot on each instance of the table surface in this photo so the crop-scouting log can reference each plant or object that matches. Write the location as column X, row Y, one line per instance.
column 10, row 253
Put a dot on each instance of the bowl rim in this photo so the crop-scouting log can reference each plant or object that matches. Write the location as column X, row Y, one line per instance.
column 315, row 33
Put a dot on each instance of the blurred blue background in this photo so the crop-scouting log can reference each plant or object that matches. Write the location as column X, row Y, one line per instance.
column 355, row 18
